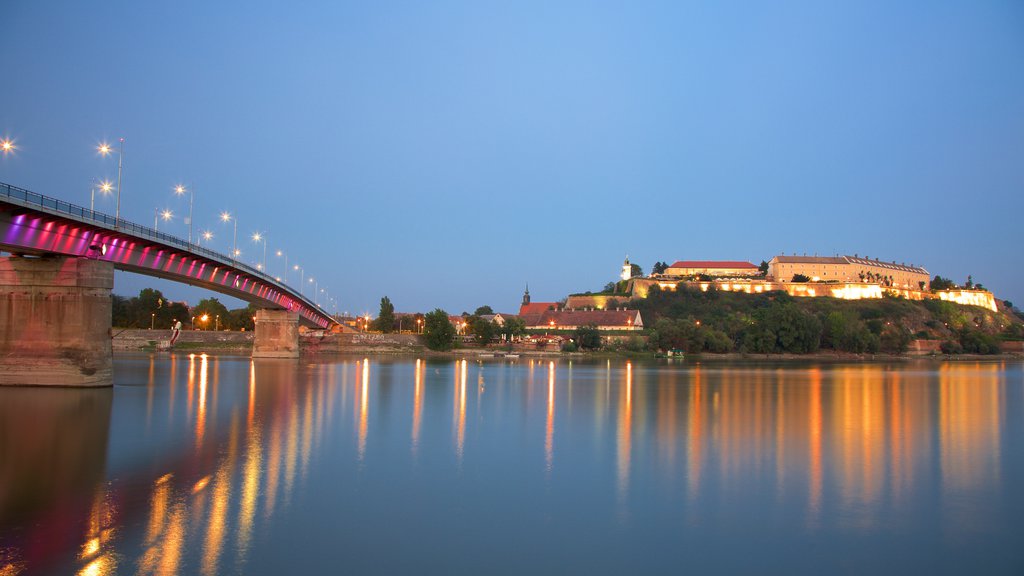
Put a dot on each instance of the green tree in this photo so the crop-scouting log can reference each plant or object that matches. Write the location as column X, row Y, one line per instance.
column 763, row 267
column 483, row 310
column 659, row 268
column 241, row 318
column 940, row 283
column 385, row 321
column 438, row 331
column 211, row 308
column 588, row 337
column 801, row 278
column 514, row 327
column 482, row 329
column 635, row 271
column 119, row 311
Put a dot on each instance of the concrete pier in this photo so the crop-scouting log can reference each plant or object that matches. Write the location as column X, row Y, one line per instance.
column 55, row 321
column 277, row 334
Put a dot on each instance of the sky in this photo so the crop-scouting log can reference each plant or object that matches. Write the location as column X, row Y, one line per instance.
column 445, row 154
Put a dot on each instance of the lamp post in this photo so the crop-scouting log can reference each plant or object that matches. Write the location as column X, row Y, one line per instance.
column 7, row 146
column 217, row 323
column 281, row 253
column 419, row 325
column 227, row 217
column 316, row 286
column 166, row 215
column 105, row 150
column 193, row 323
column 152, row 320
column 207, row 235
column 257, row 237
column 204, row 319
column 179, row 190
column 302, row 277
column 104, row 187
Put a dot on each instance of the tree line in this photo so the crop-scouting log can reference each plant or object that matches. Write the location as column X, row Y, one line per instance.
column 151, row 309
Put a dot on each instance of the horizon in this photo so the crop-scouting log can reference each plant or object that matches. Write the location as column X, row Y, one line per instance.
column 448, row 155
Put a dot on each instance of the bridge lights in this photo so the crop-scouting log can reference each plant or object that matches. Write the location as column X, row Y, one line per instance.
column 257, row 237
column 180, row 191
column 105, row 150
column 7, row 146
column 227, row 217
column 207, row 235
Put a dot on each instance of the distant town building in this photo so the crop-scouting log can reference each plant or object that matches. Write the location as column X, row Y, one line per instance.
column 727, row 268
column 627, row 270
column 531, row 311
column 600, row 319
column 848, row 269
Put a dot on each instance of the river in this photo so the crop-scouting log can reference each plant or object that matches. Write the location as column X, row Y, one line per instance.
column 222, row 465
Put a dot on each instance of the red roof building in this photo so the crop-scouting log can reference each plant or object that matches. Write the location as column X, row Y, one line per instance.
column 600, row 319
column 685, row 268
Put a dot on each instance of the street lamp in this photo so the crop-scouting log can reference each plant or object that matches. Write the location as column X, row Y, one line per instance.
column 316, row 286
column 302, row 277
column 281, row 253
column 7, row 146
column 152, row 320
column 204, row 319
column 257, row 237
column 227, row 217
column 179, row 190
column 217, row 322
column 419, row 325
column 207, row 235
column 165, row 215
column 104, row 187
column 105, row 150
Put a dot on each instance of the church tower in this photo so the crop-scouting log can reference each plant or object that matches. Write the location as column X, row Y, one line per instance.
column 627, row 269
column 526, row 295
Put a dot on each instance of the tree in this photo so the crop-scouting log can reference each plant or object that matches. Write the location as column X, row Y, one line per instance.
column 482, row 328
column 483, row 310
column 588, row 337
column 438, row 331
column 513, row 328
column 635, row 271
column 800, row 278
column 385, row 321
column 211, row 308
column 241, row 318
column 940, row 283
column 763, row 268
column 659, row 268
column 970, row 282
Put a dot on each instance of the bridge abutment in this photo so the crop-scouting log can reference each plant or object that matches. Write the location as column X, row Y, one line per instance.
column 277, row 334
column 55, row 315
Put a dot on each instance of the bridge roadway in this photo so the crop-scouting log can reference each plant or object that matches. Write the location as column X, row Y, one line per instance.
column 31, row 223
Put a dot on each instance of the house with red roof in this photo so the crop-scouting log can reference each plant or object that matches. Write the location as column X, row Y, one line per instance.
column 727, row 268
column 600, row 319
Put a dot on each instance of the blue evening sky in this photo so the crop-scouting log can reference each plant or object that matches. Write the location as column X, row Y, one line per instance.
column 447, row 153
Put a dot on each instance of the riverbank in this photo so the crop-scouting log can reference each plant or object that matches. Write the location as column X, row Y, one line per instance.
column 317, row 343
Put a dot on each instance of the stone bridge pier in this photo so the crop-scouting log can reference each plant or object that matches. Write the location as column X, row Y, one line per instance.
column 277, row 334
column 55, row 315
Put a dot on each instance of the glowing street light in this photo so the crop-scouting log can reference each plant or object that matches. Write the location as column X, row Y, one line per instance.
column 105, row 150
column 257, row 237
column 206, row 235
column 227, row 217
column 7, row 146
column 316, row 287
column 302, row 277
column 281, row 253
column 105, row 187
column 180, row 190
column 164, row 215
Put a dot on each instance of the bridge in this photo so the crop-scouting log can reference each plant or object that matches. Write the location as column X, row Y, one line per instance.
column 55, row 288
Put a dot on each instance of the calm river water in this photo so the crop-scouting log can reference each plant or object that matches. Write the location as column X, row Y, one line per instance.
column 210, row 465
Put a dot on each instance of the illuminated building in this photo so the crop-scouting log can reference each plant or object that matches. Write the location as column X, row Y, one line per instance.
column 848, row 269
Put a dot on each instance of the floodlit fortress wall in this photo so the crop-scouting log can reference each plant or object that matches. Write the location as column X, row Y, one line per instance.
column 640, row 288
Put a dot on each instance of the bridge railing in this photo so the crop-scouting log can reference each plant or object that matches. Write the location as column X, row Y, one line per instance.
column 54, row 205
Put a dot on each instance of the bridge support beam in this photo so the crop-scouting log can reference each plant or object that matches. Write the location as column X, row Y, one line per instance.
column 55, row 322
column 277, row 334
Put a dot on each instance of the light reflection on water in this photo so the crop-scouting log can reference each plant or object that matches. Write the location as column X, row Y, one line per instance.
column 196, row 464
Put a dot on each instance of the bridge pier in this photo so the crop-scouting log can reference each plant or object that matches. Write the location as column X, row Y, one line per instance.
column 277, row 334
column 55, row 321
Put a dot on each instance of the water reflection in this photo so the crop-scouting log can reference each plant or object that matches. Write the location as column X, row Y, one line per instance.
column 157, row 481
